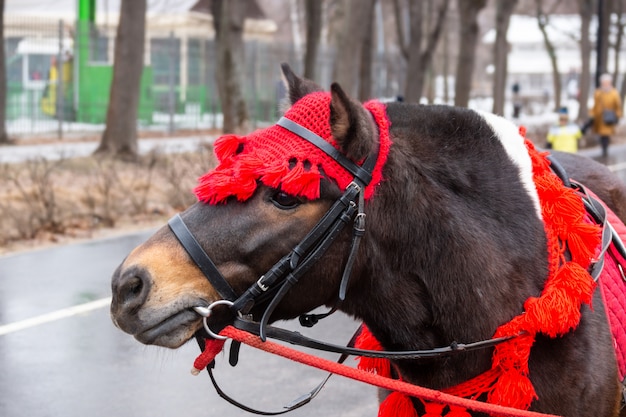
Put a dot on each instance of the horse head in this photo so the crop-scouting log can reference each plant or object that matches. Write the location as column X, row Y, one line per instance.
column 268, row 191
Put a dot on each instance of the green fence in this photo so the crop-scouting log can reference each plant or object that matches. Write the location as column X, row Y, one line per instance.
column 178, row 89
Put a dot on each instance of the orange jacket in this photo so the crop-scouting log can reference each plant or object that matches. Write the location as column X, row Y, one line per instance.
column 605, row 100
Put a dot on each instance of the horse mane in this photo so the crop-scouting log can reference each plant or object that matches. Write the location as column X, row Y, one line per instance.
column 447, row 264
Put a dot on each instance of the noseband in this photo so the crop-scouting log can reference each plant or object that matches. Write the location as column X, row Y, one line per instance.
column 276, row 282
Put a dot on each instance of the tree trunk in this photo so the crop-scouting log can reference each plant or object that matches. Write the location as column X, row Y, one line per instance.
column 313, row 13
column 415, row 78
column 468, row 36
column 426, row 58
column 229, row 18
column 446, row 64
column 504, row 10
column 365, row 71
column 399, row 14
column 619, row 10
column 119, row 139
column 418, row 59
column 350, row 44
column 585, row 8
column 605, row 16
column 542, row 21
column 4, row 137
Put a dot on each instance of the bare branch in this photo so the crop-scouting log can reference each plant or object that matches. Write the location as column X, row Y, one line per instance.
column 401, row 30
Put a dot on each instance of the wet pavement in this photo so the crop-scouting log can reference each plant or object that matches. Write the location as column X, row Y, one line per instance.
column 60, row 355
column 615, row 161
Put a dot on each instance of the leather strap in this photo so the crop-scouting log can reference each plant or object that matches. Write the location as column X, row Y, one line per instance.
column 560, row 172
column 199, row 256
column 597, row 211
column 293, row 405
column 362, row 174
column 298, row 339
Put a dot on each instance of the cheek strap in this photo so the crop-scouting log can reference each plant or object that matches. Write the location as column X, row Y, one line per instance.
column 199, row 256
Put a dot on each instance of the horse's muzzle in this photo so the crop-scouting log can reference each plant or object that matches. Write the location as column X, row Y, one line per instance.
column 130, row 288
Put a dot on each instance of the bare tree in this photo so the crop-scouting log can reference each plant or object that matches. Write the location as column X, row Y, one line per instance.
column 543, row 22
column 4, row 137
column 504, row 10
column 418, row 60
column 617, row 47
column 468, row 37
column 365, row 69
column 350, row 44
column 229, row 17
column 585, row 9
column 604, row 22
column 119, row 139
column 313, row 13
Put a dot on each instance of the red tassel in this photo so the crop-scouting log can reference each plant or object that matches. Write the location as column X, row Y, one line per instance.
column 433, row 409
column 367, row 341
column 214, row 186
column 211, row 348
column 274, row 176
column 226, row 146
column 397, row 405
column 456, row 411
column 583, row 242
column 513, row 389
column 299, row 181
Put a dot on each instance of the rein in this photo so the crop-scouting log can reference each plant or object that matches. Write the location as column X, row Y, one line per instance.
column 359, row 375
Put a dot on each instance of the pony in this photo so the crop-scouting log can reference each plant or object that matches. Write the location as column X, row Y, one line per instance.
column 454, row 246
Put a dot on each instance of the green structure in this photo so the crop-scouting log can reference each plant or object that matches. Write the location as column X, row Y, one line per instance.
column 93, row 73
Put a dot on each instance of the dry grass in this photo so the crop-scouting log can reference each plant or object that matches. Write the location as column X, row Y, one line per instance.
column 43, row 201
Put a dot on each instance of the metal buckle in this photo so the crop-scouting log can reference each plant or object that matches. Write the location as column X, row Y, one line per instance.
column 262, row 286
column 359, row 222
column 354, row 185
column 205, row 312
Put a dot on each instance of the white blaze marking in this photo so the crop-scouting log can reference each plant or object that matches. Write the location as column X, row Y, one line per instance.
column 513, row 144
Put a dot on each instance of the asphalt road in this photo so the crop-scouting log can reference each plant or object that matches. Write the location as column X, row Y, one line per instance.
column 60, row 355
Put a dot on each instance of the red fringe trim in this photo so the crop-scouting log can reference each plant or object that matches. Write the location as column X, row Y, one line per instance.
column 397, row 405
column 266, row 156
column 367, row 341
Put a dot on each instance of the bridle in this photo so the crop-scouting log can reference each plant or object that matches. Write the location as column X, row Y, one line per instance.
column 272, row 286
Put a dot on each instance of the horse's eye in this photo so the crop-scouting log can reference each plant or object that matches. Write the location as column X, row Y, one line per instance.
column 285, row 201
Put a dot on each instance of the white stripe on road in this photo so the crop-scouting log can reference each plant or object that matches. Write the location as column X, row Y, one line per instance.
column 53, row 316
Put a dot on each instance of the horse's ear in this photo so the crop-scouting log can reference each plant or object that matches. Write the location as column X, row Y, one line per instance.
column 296, row 87
column 350, row 124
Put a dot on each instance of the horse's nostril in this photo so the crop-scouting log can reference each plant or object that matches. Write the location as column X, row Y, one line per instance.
column 131, row 287
column 134, row 286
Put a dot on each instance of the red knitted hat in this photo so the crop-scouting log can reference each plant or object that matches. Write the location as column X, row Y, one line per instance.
column 279, row 158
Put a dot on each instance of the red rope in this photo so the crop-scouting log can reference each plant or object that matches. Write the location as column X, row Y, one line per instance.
column 373, row 379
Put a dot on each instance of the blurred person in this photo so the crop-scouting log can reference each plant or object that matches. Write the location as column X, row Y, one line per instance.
column 517, row 102
column 606, row 111
column 565, row 135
